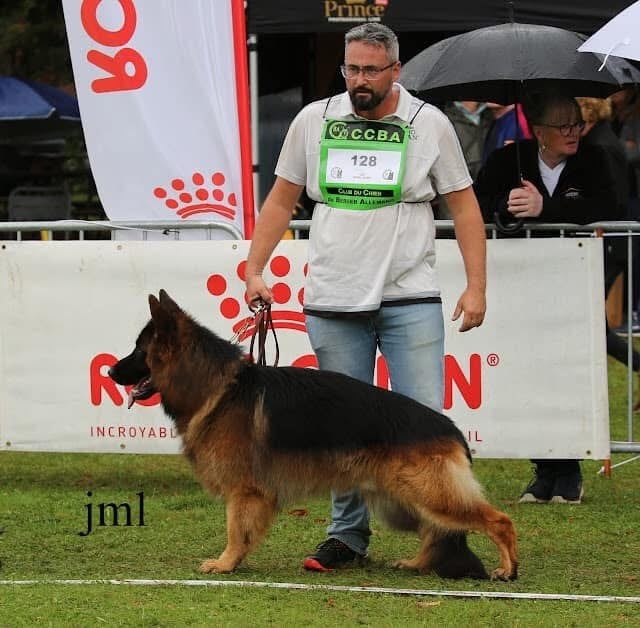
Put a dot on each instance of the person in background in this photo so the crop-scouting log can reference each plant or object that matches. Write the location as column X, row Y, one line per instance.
column 471, row 121
column 509, row 125
column 598, row 131
column 625, row 122
column 561, row 181
column 630, row 136
column 625, row 105
column 596, row 113
column 371, row 281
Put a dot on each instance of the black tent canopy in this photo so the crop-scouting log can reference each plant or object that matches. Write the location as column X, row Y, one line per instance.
column 317, row 16
column 303, row 39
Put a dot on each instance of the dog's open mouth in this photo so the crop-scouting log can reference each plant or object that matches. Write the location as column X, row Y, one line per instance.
column 142, row 390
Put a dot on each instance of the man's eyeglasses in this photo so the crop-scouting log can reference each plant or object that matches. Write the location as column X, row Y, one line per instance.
column 370, row 72
column 567, row 129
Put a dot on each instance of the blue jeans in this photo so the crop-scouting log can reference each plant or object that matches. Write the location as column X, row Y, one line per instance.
column 411, row 339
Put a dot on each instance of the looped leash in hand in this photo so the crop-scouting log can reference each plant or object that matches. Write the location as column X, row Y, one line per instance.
column 263, row 321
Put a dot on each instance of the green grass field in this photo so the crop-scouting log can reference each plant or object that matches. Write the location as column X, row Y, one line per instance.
column 588, row 550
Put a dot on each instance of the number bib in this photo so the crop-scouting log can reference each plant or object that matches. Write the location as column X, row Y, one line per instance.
column 362, row 163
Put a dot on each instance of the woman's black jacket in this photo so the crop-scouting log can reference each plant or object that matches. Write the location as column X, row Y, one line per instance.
column 585, row 192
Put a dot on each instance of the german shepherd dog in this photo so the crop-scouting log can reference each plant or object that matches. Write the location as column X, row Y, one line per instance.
column 261, row 436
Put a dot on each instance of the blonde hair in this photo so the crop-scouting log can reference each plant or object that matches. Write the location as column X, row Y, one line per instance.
column 594, row 109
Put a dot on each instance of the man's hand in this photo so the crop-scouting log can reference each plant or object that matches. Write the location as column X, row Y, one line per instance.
column 473, row 304
column 257, row 290
column 526, row 201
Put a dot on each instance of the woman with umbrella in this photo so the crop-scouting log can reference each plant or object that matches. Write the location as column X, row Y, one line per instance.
column 561, row 180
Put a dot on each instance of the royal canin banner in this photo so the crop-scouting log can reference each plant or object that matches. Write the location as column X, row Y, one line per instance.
column 530, row 383
column 164, row 101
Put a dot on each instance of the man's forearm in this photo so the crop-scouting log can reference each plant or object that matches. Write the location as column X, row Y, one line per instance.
column 472, row 242
column 270, row 227
column 471, row 236
column 272, row 222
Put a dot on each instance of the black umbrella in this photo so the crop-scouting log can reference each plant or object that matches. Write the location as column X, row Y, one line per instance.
column 500, row 63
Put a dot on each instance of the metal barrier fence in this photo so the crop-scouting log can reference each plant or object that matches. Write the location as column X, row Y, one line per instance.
column 76, row 229
column 81, row 227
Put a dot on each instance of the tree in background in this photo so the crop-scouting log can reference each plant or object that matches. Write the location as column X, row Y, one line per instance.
column 34, row 44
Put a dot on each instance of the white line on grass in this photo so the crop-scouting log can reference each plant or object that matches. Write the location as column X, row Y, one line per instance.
column 619, row 464
column 334, row 587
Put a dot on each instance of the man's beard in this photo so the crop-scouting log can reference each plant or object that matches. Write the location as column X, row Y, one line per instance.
column 365, row 102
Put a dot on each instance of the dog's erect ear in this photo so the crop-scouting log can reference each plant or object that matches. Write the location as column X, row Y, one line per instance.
column 163, row 317
column 168, row 303
column 153, row 303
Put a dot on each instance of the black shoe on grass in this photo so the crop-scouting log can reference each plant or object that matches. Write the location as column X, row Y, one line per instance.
column 540, row 489
column 568, row 489
column 331, row 554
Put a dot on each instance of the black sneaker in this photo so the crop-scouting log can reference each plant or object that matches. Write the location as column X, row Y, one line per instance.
column 568, row 488
column 329, row 555
column 540, row 489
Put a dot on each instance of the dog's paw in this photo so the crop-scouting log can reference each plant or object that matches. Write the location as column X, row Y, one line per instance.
column 215, row 566
column 504, row 574
column 408, row 563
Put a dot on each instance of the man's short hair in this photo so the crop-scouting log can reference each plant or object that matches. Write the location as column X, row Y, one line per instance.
column 375, row 34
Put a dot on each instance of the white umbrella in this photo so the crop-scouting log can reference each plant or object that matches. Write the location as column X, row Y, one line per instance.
column 619, row 37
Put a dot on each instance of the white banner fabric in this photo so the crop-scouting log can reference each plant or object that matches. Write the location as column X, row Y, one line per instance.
column 531, row 382
column 162, row 97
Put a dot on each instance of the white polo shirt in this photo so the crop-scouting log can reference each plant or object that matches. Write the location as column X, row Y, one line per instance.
column 362, row 259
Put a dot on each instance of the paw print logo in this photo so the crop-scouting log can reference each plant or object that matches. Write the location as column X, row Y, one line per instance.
column 283, row 313
column 200, row 196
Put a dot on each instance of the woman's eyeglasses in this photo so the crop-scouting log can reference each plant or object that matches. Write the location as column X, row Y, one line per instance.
column 567, row 129
column 370, row 72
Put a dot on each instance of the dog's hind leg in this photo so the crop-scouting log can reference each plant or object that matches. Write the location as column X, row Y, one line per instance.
column 443, row 491
column 478, row 515
column 249, row 517
column 453, row 558
column 445, row 552
column 444, row 549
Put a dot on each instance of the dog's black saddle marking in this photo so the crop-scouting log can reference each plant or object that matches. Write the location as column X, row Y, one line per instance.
column 323, row 410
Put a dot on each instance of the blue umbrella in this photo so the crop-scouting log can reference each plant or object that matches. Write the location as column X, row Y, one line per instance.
column 29, row 108
column 22, row 99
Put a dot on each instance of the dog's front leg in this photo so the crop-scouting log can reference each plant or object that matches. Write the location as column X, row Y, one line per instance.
column 249, row 517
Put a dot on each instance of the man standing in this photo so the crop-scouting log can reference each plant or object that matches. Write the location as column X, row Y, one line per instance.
column 372, row 158
column 471, row 120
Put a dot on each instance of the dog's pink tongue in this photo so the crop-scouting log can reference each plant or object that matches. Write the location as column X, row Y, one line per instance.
column 130, row 400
